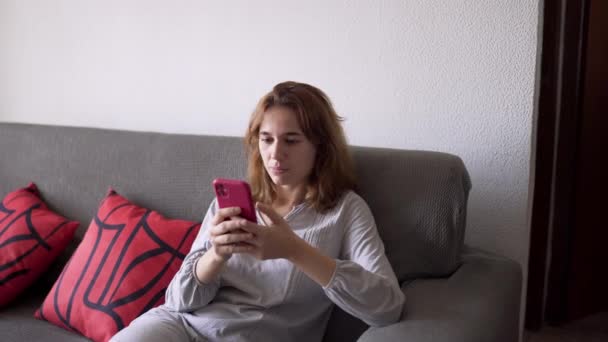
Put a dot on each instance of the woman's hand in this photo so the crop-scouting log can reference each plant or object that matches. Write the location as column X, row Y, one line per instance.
column 277, row 240
column 228, row 236
column 274, row 241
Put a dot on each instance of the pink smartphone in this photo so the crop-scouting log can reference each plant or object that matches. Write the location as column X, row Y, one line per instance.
column 235, row 193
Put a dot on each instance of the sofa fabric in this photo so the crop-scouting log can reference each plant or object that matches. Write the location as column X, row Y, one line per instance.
column 418, row 199
column 419, row 202
column 471, row 305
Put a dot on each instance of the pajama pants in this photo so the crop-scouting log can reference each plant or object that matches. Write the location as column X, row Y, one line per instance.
column 158, row 325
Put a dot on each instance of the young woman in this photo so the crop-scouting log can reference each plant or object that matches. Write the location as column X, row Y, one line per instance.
column 318, row 247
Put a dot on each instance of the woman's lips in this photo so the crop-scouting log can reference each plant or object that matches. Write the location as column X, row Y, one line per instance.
column 278, row 170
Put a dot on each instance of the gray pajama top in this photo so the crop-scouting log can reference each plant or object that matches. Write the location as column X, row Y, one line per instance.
column 271, row 300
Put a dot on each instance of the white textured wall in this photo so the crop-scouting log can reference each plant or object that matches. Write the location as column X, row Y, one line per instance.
column 454, row 76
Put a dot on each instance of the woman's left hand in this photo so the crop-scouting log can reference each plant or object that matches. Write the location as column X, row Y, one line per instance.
column 274, row 241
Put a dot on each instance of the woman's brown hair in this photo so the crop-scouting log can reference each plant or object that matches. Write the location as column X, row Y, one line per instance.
column 333, row 172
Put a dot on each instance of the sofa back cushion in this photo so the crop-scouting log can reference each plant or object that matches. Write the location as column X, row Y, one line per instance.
column 419, row 201
column 418, row 198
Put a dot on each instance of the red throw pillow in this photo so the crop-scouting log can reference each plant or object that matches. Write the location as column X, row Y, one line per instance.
column 31, row 237
column 121, row 269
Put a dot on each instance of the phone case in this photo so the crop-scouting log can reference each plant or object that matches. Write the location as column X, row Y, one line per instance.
column 235, row 193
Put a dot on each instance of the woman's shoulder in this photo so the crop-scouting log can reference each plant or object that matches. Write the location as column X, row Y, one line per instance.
column 353, row 210
column 351, row 197
column 352, row 202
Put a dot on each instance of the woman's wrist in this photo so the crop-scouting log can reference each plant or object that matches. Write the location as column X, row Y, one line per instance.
column 208, row 266
column 299, row 247
column 215, row 257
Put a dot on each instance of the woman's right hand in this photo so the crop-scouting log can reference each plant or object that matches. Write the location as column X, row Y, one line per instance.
column 226, row 233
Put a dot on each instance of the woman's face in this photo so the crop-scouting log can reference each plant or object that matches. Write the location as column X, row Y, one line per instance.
column 287, row 154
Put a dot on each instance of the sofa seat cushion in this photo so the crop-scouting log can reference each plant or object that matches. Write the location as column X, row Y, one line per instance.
column 120, row 270
column 17, row 321
column 31, row 237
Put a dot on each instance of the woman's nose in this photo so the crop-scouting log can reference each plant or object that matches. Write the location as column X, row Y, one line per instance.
column 278, row 150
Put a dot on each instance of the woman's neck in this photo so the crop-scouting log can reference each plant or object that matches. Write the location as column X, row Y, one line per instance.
column 288, row 196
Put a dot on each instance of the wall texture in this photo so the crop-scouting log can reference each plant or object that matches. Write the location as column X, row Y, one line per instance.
column 454, row 76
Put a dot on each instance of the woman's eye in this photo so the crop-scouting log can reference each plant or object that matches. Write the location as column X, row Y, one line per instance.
column 287, row 141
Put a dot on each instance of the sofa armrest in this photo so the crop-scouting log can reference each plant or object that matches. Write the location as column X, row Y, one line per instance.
column 479, row 302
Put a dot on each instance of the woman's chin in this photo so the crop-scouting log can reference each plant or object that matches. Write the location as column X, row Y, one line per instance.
column 278, row 180
column 282, row 180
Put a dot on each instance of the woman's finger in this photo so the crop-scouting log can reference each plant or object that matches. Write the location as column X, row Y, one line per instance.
column 226, row 239
column 233, row 225
column 252, row 228
column 227, row 226
column 234, row 248
column 255, row 241
column 222, row 214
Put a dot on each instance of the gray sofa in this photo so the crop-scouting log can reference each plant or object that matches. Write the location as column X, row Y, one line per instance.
column 419, row 200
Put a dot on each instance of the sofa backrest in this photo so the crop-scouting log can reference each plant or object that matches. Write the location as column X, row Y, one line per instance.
column 418, row 198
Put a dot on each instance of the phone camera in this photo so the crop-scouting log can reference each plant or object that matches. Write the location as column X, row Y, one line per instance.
column 221, row 191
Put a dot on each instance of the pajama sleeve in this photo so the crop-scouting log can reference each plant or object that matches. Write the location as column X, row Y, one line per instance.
column 364, row 283
column 186, row 293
